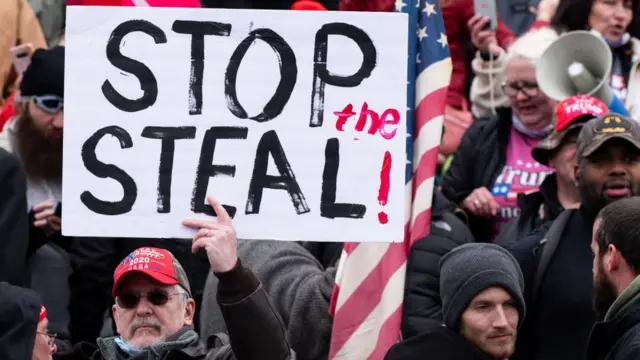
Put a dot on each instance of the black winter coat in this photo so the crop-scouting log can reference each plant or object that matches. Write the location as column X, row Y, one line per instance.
column 422, row 302
column 436, row 343
column 536, row 209
column 478, row 161
column 618, row 339
column 14, row 227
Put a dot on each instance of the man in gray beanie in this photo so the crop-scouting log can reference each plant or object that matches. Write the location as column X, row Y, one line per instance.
column 482, row 288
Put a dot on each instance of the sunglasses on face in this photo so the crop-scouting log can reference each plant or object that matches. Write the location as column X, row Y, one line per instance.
column 49, row 103
column 155, row 297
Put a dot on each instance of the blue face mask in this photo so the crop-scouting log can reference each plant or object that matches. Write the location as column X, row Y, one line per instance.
column 536, row 134
column 124, row 347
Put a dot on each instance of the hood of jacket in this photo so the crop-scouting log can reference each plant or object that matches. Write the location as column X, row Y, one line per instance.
column 19, row 313
column 630, row 296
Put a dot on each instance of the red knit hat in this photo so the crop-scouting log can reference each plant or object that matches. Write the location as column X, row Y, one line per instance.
column 308, row 5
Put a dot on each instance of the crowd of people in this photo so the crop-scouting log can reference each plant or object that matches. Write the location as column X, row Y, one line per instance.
column 531, row 255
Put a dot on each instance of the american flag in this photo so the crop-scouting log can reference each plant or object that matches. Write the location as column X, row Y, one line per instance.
column 369, row 291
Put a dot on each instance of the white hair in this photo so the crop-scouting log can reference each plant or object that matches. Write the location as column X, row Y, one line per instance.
column 184, row 295
column 532, row 45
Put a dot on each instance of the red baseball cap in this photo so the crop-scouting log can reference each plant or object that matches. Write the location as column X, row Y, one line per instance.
column 574, row 107
column 570, row 115
column 158, row 264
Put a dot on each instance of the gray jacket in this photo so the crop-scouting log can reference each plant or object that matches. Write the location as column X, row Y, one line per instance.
column 299, row 287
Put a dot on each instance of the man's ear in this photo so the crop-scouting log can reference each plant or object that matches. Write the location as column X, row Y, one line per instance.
column 116, row 318
column 616, row 261
column 577, row 173
column 189, row 312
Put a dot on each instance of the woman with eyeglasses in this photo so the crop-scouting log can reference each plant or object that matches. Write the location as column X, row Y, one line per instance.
column 24, row 330
column 493, row 163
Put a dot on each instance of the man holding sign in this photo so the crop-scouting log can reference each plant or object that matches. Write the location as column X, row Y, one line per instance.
column 154, row 309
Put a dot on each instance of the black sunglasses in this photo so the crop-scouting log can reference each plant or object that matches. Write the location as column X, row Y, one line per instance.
column 155, row 297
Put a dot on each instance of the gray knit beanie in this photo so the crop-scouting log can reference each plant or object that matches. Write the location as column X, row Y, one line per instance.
column 468, row 270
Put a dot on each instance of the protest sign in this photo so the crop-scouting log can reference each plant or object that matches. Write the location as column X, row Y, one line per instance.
column 295, row 121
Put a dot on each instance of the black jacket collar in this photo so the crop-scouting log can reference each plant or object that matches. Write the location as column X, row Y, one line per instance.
column 605, row 335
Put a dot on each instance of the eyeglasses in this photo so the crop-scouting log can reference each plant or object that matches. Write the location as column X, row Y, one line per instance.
column 529, row 89
column 156, row 297
column 49, row 103
column 51, row 338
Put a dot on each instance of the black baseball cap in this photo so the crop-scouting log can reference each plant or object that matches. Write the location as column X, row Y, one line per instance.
column 604, row 128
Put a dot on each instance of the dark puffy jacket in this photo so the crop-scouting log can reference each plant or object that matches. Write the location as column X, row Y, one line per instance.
column 19, row 312
column 13, row 220
column 477, row 162
column 422, row 301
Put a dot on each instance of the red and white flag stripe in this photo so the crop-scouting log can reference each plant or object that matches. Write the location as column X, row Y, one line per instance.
column 367, row 316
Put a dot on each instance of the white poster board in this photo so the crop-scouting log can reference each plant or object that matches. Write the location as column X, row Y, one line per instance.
column 164, row 106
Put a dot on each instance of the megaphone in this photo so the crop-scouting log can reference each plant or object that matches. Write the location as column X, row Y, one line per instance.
column 578, row 62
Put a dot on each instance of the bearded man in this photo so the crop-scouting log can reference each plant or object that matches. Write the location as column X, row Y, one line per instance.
column 35, row 136
column 616, row 282
column 556, row 259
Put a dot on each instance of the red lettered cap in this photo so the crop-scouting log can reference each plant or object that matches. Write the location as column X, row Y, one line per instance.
column 158, row 264
column 577, row 106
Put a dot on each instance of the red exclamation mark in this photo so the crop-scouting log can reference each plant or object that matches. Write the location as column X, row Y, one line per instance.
column 383, row 191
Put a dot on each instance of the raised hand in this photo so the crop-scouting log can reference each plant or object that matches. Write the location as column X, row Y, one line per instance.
column 217, row 237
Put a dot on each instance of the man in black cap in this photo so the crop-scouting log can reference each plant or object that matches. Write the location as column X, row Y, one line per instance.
column 482, row 289
column 558, row 191
column 557, row 259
